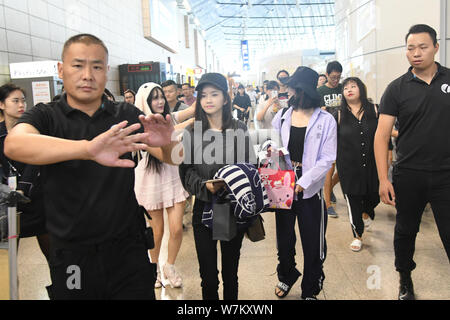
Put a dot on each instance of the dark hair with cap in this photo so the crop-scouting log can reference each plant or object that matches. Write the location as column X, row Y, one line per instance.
column 423, row 28
column 304, row 82
column 218, row 81
column 334, row 66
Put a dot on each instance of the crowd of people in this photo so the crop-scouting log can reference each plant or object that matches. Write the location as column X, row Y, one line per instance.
column 94, row 168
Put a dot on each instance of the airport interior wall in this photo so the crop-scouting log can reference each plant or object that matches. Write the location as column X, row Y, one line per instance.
column 370, row 37
column 34, row 30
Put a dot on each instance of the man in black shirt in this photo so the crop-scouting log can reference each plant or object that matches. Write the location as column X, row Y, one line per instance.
column 84, row 148
column 420, row 100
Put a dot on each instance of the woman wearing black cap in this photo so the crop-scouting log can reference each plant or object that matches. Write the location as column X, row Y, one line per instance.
column 212, row 115
column 309, row 134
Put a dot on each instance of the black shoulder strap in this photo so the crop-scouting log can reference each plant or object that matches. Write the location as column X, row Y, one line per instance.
column 283, row 111
column 376, row 107
column 177, row 106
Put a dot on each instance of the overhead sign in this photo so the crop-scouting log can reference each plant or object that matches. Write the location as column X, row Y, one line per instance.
column 139, row 68
column 36, row 69
column 245, row 55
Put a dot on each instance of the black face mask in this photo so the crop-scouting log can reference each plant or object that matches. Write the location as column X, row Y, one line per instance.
column 303, row 102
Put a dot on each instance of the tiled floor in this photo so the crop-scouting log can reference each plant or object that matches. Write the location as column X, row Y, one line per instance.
column 349, row 275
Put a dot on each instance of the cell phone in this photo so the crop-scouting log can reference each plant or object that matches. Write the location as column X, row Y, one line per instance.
column 274, row 94
column 213, row 181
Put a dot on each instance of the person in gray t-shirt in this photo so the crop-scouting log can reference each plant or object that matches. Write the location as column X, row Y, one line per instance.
column 170, row 90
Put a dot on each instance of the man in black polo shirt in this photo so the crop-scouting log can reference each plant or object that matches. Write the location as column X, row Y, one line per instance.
column 84, row 148
column 420, row 100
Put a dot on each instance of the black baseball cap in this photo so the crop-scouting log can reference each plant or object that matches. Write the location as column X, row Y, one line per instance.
column 216, row 79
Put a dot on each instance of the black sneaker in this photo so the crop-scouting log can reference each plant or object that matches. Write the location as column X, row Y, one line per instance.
column 406, row 290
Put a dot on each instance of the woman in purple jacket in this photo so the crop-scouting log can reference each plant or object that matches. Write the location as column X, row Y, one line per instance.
column 309, row 134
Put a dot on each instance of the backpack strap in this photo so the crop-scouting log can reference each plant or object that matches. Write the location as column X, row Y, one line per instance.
column 177, row 106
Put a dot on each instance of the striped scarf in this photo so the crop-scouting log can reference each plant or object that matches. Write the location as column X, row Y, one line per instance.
column 246, row 192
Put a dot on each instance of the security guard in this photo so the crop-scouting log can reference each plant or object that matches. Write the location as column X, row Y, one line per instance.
column 420, row 100
column 84, row 148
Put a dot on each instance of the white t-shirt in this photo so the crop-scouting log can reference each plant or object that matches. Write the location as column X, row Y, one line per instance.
column 252, row 95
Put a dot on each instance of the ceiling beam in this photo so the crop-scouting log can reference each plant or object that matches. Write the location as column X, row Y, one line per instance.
column 282, row 27
column 274, row 4
column 299, row 17
column 259, row 34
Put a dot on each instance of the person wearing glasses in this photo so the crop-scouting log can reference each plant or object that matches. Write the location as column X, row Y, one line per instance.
column 331, row 97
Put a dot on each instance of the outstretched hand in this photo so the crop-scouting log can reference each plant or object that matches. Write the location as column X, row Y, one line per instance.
column 107, row 147
column 159, row 130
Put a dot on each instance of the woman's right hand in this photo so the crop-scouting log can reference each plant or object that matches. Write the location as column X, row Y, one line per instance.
column 215, row 187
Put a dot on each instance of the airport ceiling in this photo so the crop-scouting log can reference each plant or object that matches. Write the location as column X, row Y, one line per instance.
column 268, row 25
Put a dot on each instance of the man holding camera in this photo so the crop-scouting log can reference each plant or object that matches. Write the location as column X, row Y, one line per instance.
column 96, row 227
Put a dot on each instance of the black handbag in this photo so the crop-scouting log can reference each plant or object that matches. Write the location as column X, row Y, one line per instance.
column 255, row 232
column 224, row 222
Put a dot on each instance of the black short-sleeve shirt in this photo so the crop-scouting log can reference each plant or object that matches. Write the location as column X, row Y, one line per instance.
column 85, row 202
column 355, row 159
column 423, row 114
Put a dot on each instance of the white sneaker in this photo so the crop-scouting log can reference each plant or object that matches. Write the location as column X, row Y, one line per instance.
column 367, row 223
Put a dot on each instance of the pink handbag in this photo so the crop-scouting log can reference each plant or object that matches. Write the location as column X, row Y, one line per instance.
column 279, row 185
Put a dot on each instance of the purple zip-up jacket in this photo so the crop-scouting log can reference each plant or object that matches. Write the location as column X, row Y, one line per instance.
column 319, row 149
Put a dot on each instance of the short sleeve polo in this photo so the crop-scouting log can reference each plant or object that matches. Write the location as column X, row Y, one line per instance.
column 85, row 202
column 423, row 114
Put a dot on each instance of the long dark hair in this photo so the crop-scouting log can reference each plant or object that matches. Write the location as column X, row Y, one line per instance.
column 227, row 116
column 302, row 101
column 6, row 90
column 152, row 162
column 362, row 94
